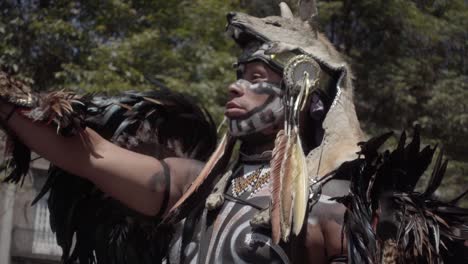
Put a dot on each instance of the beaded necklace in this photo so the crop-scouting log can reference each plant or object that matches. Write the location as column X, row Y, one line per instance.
column 251, row 182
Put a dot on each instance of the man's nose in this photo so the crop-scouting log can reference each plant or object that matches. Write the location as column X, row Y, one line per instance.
column 235, row 90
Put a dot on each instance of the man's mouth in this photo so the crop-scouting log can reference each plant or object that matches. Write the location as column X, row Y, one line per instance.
column 234, row 110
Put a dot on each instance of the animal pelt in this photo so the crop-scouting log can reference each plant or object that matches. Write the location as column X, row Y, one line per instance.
column 387, row 221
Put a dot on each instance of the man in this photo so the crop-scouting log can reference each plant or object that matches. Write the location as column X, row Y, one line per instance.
column 223, row 233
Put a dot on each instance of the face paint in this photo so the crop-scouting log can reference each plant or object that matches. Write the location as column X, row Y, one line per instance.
column 264, row 116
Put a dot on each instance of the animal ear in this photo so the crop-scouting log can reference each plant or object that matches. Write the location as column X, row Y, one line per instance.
column 308, row 13
column 308, row 10
column 286, row 11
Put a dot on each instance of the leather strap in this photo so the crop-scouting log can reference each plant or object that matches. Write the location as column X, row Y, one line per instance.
column 167, row 190
column 338, row 259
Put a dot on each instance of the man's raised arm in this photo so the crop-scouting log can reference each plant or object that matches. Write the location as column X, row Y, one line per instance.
column 139, row 181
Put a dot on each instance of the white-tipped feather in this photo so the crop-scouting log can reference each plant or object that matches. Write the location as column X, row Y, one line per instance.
column 301, row 186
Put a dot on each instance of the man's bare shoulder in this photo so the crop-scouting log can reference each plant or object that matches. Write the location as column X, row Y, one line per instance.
column 183, row 171
column 326, row 219
column 326, row 208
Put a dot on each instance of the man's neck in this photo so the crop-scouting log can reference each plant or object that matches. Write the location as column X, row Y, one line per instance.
column 257, row 144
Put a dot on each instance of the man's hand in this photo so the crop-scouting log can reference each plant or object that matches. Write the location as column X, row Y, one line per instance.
column 6, row 112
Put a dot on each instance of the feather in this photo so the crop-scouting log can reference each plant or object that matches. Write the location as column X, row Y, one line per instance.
column 458, row 198
column 64, row 109
column 16, row 92
column 287, row 190
column 428, row 231
column 18, row 162
column 154, row 101
column 301, row 186
column 437, row 175
column 201, row 185
column 275, row 185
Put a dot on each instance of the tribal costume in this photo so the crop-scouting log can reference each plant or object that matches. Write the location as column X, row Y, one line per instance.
column 244, row 220
column 253, row 208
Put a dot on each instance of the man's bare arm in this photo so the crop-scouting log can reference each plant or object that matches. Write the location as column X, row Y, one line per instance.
column 136, row 180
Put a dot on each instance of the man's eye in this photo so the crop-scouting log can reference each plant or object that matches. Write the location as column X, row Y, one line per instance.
column 258, row 77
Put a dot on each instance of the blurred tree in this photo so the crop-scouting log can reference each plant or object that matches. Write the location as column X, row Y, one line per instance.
column 410, row 61
column 117, row 45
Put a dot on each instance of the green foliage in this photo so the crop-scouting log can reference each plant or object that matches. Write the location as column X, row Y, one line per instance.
column 410, row 61
column 116, row 45
column 410, row 57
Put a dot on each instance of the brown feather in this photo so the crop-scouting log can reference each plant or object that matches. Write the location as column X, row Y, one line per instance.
column 390, row 252
column 15, row 91
column 275, row 185
column 205, row 177
column 287, row 193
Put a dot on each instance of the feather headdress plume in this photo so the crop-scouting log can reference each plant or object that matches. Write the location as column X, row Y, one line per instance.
column 289, row 184
column 387, row 220
column 200, row 188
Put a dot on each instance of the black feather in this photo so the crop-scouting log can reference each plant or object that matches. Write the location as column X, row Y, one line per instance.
column 105, row 230
column 383, row 206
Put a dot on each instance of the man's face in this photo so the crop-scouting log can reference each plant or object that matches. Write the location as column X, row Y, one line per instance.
column 242, row 101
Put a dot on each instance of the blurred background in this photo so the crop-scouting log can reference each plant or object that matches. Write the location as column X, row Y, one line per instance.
column 410, row 58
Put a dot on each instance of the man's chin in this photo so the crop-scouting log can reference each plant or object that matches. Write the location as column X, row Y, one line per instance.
column 235, row 113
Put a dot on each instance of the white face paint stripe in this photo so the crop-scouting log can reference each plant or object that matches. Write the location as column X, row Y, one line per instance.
column 259, row 87
column 269, row 114
column 257, row 122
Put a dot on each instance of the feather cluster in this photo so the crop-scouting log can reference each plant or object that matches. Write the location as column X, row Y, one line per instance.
column 64, row 110
column 159, row 118
column 387, row 221
column 289, row 177
column 289, row 187
column 15, row 91
column 90, row 226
